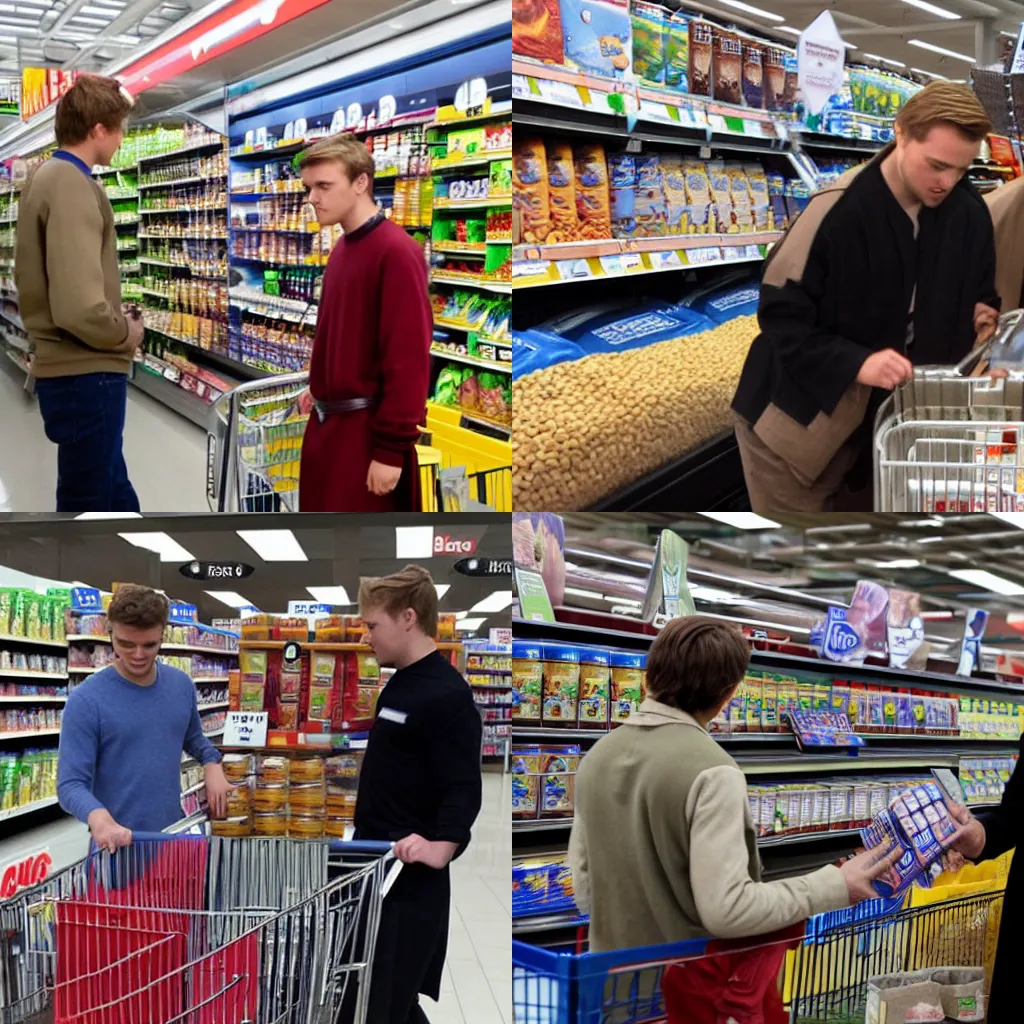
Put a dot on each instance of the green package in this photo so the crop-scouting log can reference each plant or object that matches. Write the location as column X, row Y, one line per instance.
column 677, row 52
column 18, row 610
column 650, row 23
column 6, row 600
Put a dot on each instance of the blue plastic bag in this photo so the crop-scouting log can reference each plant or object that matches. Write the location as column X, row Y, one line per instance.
column 618, row 330
column 536, row 349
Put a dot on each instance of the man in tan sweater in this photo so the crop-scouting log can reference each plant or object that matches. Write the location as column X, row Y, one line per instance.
column 663, row 846
column 69, row 295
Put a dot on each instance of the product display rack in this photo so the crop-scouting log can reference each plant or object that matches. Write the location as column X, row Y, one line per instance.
column 775, row 755
column 488, row 670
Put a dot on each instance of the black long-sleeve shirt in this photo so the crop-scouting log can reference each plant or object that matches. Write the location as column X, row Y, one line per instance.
column 1003, row 824
column 421, row 773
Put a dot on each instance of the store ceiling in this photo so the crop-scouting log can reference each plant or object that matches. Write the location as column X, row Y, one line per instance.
column 340, row 550
column 885, row 28
column 815, row 559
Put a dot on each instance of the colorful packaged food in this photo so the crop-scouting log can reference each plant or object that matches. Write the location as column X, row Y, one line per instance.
column 307, row 798
column 239, row 802
column 273, row 797
column 627, row 672
column 561, row 673
column 558, row 784
column 305, row 826
column 306, row 769
column 525, row 784
column 274, row 823
column 336, row 827
column 273, row 769
column 233, row 828
column 237, row 767
column 595, row 688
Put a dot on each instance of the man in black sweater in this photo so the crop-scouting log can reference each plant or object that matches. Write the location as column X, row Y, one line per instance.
column 420, row 787
column 892, row 266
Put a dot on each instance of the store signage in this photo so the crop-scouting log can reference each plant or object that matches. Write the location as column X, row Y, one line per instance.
column 667, row 592
column 1017, row 67
column 10, row 96
column 86, row 599
column 974, row 630
column 246, row 729
column 445, row 544
column 292, row 652
column 216, row 570
column 229, row 29
column 534, row 602
column 42, row 86
column 24, row 873
column 182, row 612
column 501, row 636
column 821, row 56
column 484, row 567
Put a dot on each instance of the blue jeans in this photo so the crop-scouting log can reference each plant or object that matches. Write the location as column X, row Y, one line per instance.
column 84, row 417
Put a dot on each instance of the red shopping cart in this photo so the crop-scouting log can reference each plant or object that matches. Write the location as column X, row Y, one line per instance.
column 197, row 930
column 817, row 975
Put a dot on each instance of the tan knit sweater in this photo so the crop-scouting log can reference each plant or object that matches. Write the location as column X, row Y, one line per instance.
column 67, row 275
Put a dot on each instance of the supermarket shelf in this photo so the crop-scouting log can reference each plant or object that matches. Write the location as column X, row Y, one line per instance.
column 168, row 184
column 214, row 707
column 196, row 649
column 485, row 202
column 208, row 679
column 493, row 686
column 181, row 209
column 197, row 148
column 276, row 645
column 459, row 122
column 38, row 805
column 28, row 734
column 178, row 399
column 224, row 362
column 188, row 236
column 487, row 364
column 159, row 295
column 241, row 196
column 547, row 923
column 29, row 698
column 5, row 638
column 473, row 161
column 92, row 639
column 892, row 760
column 500, row 287
column 16, row 673
column 456, row 325
column 273, row 231
column 194, row 789
column 83, row 670
column 475, row 419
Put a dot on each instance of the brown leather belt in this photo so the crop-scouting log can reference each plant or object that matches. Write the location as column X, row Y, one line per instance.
column 339, row 408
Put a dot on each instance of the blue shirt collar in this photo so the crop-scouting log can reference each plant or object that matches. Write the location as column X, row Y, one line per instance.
column 61, row 154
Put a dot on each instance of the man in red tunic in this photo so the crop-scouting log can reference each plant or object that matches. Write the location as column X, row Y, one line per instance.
column 370, row 371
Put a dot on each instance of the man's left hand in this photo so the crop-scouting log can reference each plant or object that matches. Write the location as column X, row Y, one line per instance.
column 382, row 478
column 415, row 849
column 217, row 789
column 985, row 320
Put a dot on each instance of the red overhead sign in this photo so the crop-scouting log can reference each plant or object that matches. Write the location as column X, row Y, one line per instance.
column 25, row 873
column 231, row 27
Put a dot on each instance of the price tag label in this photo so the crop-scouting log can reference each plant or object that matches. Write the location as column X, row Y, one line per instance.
column 246, row 729
column 666, row 260
column 752, row 252
column 521, row 87
column 573, row 270
column 655, row 111
column 752, row 128
column 717, row 123
column 501, row 635
column 781, row 130
column 634, row 145
column 530, row 268
column 612, row 265
column 561, row 93
column 699, row 257
column 733, row 252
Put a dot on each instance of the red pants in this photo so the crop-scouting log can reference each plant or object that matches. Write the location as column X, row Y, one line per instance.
column 735, row 978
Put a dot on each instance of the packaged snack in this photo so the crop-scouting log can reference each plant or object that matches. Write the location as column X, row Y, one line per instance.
column 237, row 767
column 650, row 211
column 565, row 224
column 769, row 703
column 728, row 66
column 530, row 188
column 677, row 52
column 905, row 629
column 239, row 802
column 593, row 202
column 525, row 784
column 699, row 60
column 597, row 36
column 306, row 769
column 721, row 190
column 307, row 798
column 527, row 682
column 774, row 78
column 698, row 196
column 755, row 701
column 446, row 621
column 288, row 714
column 273, row 770
column 305, row 826
column 623, row 179
column 253, row 668
column 753, row 73
column 273, row 823
column 537, row 30
column 558, row 784
column 336, row 828
column 738, row 709
column 821, row 699
column 766, row 817
column 677, row 221
column 595, row 687
column 231, row 828
column 650, row 27
column 627, row 670
column 329, row 629
column 561, row 668
column 781, row 825
column 270, row 797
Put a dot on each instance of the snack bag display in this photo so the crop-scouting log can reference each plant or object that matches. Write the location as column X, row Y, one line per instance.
column 593, row 202
column 562, row 193
column 595, row 686
column 627, row 684
column 649, row 24
column 774, row 78
column 525, row 783
column 530, row 188
column 558, row 783
column 673, row 179
column 677, row 52
column 527, row 682
column 727, row 62
column 537, row 30
column 321, row 687
column 650, row 210
column 561, row 669
column 698, row 196
column 753, row 73
column 721, row 189
column 253, row 669
column 597, row 36
column 622, row 175
column 701, row 45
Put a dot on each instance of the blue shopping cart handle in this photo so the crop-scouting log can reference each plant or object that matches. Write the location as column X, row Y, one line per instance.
column 362, row 847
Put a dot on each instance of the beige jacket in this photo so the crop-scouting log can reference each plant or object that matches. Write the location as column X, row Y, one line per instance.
column 1006, row 204
column 663, row 846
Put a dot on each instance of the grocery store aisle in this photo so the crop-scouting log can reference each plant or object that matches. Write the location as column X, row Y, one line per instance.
column 65, row 839
column 166, row 454
column 477, row 986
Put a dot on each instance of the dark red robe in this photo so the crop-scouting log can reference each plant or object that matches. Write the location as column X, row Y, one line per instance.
column 373, row 336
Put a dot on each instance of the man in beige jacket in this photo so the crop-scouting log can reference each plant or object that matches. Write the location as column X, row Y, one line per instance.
column 663, row 846
column 1006, row 204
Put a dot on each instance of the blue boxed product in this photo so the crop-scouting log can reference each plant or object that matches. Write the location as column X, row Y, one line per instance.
column 536, row 350
column 598, row 36
column 726, row 304
column 618, row 330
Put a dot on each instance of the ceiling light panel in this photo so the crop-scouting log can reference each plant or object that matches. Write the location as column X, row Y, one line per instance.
column 493, row 603
column 956, row 55
column 939, row 12
column 758, row 12
column 163, row 544
column 743, row 520
column 329, row 595
column 442, row 589
column 989, row 580
column 274, row 545
column 229, row 597
column 414, row 541
column 468, row 625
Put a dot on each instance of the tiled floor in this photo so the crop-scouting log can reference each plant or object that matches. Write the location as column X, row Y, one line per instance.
column 477, row 987
column 166, row 454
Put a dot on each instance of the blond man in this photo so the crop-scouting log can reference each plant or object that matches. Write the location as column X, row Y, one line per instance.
column 370, row 370
column 892, row 266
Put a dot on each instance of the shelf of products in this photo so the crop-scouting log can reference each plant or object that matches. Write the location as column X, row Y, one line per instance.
column 488, row 671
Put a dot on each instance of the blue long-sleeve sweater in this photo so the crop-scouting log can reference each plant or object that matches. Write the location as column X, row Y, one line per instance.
column 121, row 745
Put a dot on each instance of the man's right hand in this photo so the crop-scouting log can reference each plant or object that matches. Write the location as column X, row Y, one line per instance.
column 136, row 332
column 305, row 402
column 885, row 369
column 860, row 871
column 106, row 833
column 970, row 839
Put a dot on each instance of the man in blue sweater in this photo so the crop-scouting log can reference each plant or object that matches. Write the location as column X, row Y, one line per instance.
column 125, row 727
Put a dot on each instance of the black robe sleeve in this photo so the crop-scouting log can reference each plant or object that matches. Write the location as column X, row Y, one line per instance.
column 1003, row 823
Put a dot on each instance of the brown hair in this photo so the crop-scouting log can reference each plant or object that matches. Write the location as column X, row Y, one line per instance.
column 347, row 150
column 695, row 661
column 413, row 588
column 139, row 607
column 92, row 100
column 944, row 103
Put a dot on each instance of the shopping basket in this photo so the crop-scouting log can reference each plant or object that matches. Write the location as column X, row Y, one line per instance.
column 951, row 441
column 823, row 978
column 197, row 930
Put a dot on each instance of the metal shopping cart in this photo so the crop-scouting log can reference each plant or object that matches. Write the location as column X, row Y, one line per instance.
column 952, row 441
column 254, row 449
column 823, row 977
column 197, row 930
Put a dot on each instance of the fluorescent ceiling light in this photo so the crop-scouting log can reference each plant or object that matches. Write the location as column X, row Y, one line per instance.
column 789, row 28
column 922, row 45
column 109, row 515
column 230, row 598
column 884, row 60
column 750, row 9
column 442, row 589
column 468, row 625
column 460, row 615
column 743, row 520
column 164, row 545
column 274, row 545
column 496, row 602
column 329, row 595
column 414, row 541
column 930, row 74
column 898, row 563
column 939, row 12
column 988, row 580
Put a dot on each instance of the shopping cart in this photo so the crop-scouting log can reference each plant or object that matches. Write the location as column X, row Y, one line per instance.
column 823, row 977
column 197, row 930
column 950, row 441
column 254, row 449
